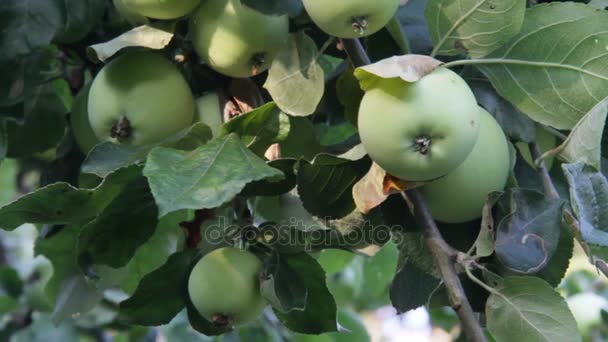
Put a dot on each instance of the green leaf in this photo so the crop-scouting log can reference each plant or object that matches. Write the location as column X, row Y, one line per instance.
column 556, row 269
column 274, row 188
column 553, row 70
column 80, row 18
column 320, row 313
column 10, row 283
column 349, row 94
column 335, row 134
column 77, row 296
column 529, row 230
column 295, row 80
column 57, row 244
column 282, row 286
column 412, row 288
column 21, row 77
column 301, row 141
column 43, row 125
column 589, row 199
column 585, row 141
column 161, row 293
column 61, row 203
column 473, row 27
column 412, row 20
column 325, row 185
column 168, row 238
column 259, row 128
column 124, row 225
column 8, row 179
column 108, row 157
column 529, row 309
column 204, row 178
column 515, row 124
column 27, row 25
column 335, row 260
column 413, row 249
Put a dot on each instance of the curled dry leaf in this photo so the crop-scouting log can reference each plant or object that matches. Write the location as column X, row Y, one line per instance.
column 246, row 94
column 409, row 68
column 375, row 187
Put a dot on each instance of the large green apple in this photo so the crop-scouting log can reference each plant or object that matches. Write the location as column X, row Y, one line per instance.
column 208, row 111
column 162, row 9
column 224, row 287
column 351, row 18
column 422, row 130
column 545, row 140
column 79, row 121
column 460, row 196
column 236, row 40
column 128, row 14
column 139, row 98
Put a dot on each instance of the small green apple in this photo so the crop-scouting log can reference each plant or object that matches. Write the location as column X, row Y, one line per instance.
column 545, row 140
column 460, row 196
column 129, row 15
column 586, row 309
column 419, row 131
column 236, row 40
column 79, row 122
column 224, row 287
column 208, row 111
column 351, row 18
column 161, row 9
column 139, row 98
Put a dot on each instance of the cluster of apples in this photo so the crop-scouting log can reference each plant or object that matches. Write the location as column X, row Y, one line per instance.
column 429, row 130
column 433, row 130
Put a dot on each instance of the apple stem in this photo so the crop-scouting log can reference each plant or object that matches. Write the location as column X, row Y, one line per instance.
column 360, row 25
column 121, row 129
column 257, row 61
column 422, row 144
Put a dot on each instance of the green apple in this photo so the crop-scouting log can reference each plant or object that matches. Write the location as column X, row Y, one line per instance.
column 208, row 111
column 460, row 196
column 129, row 15
column 351, row 18
column 236, row 40
column 79, row 122
column 161, row 9
column 586, row 309
column 419, row 131
column 139, row 98
column 545, row 140
column 224, row 287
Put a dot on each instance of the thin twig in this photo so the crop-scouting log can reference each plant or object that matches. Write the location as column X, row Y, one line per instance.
column 548, row 185
column 443, row 254
column 445, row 258
column 551, row 191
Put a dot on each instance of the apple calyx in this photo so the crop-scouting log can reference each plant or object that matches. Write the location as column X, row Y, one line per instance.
column 360, row 25
column 221, row 320
column 121, row 129
column 422, row 144
column 257, row 62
